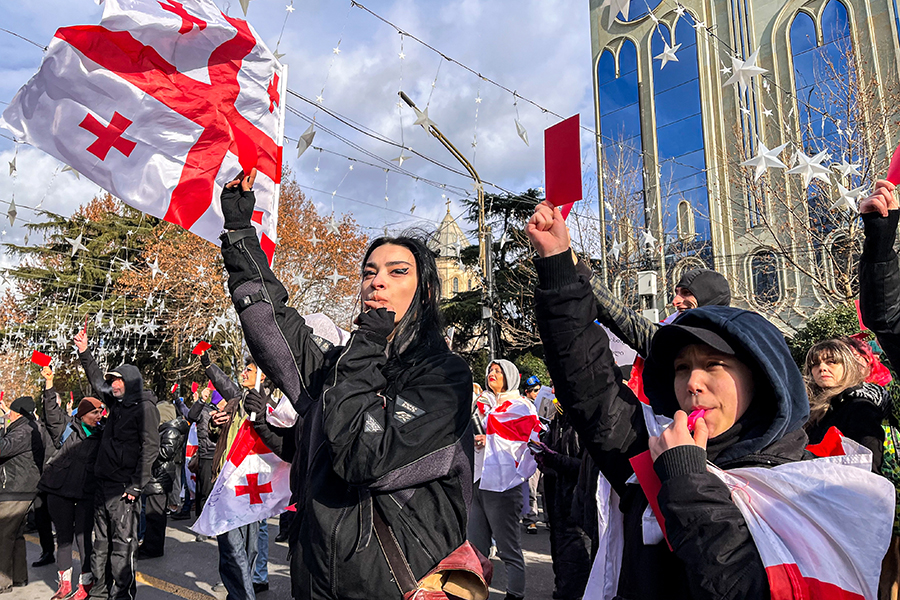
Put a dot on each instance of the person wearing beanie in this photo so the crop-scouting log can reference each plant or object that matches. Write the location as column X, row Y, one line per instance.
column 129, row 445
column 24, row 447
column 697, row 287
column 68, row 481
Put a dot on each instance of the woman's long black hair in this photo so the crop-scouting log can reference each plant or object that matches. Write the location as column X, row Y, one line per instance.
column 421, row 330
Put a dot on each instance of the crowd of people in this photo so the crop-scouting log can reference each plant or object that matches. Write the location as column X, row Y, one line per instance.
column 405, row 473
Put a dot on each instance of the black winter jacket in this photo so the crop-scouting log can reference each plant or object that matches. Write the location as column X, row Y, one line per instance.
column 858, row 413
column 172, row 437
column 24, row 447
column 402, row 446
column 199, row 414
column 70, row 472
column 714, row 555
column 130, row 441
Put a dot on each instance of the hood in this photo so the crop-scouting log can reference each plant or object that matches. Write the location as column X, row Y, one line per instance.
column 708, row 287
column 134, row 383
column 779, row 394
column 149, row 396
column 510, row 373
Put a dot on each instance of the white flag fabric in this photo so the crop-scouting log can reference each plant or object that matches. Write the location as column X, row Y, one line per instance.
column 283, row 415
column 162, row 104
column 253, row 485
column 189, row 449
column 811, row 546
column 507, row 460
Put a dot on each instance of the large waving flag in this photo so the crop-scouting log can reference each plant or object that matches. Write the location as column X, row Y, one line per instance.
column 253, row 485
column 162, row 104
column 507, row 460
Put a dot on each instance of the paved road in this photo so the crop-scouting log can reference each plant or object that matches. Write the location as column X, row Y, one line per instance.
column 189, row 570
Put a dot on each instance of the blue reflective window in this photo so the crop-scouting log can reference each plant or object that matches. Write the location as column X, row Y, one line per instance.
column 640, row 8
column 620, row 134
column 821, row 75
column 679, row 133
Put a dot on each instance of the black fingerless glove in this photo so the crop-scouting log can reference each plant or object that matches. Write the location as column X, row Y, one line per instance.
column 204, row 360
column 255, row 403
column 237, row 207
column 376, row 324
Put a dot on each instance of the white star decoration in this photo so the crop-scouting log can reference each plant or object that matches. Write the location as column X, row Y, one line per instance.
column 744, row 70
column 847, row 199
column 668, row 54
column 616, row 250
column 679, row 11
column 809, row 168
column 320, row 99
column 765, row 159
column 847, row 169
column 399, row 160
column 305, row 140
column 647, row 239
column 76, row 244
column 154, row 268
column 616, row 7
column 332, row 226
column 422, row 118
column 290, row 8
column 300, row 281
column 402, row 56
column 74, row 172
column 336, row 50
column 521, row 131
column 334, row 278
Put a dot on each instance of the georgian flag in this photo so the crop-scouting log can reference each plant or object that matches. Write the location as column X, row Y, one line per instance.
column 253, row 485
column 162, row 104
column 189, row 449
column 507, row 461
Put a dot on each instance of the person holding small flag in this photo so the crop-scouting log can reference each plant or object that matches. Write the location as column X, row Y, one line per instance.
column 383, row 466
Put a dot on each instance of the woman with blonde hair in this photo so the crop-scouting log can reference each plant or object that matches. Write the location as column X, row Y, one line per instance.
column 840, row 397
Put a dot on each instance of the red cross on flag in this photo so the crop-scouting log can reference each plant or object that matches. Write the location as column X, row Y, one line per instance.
column 253, row 485
column 162, row 104
column 507, row 460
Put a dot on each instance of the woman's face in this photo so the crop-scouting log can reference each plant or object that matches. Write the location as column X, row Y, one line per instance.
column 92, row 418
column 828, row 373
column 719, row 383
column 390, row 279
column 495, row 379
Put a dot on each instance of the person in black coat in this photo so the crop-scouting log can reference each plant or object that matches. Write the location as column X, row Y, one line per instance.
column 129, row 446
column 386, row 419
column 24, row 446
column 840, row 397
column 172, row 436
column 68, row 480
column 730, row 362
column 200, row 413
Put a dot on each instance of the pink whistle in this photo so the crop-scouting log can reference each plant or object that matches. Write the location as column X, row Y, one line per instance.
column 692, row 418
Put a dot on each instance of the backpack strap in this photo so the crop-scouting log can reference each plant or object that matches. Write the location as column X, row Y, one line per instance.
column 403, row 575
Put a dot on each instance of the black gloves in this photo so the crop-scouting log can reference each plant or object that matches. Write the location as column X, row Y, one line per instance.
column 237, row 207
column 204, row 360
column 376, row 324
column 254, row 402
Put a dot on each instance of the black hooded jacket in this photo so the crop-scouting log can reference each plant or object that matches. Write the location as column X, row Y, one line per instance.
column 25, row 446
column 172, row 438
column 714, row 554
column 396, row 442
column 70, row 472
column 130, row 441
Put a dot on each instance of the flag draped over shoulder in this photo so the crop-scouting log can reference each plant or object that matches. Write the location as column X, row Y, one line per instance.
column 253, row 485
column 161, row 104
column 507, row 460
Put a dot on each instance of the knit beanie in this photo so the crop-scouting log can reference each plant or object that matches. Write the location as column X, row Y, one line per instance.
column 23, row 405
column 708, row 287
column 86, row 405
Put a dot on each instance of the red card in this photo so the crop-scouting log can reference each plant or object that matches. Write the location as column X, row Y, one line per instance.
column 174, row 388
column 201, row 347
column 194, row 387
column 831, row 444
column 650, row 483
column 562, row 163
column 893, row 174
column 40, row 359
column 210, row 386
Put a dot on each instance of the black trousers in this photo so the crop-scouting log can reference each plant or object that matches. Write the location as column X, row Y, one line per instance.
column 155, row 532
column 569, row 545
column 74, row 521
column 115, row 543
column 204, row 484
column 43, row 523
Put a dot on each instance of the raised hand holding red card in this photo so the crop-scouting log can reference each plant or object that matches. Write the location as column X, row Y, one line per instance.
column 201, row 347
column 40, row 359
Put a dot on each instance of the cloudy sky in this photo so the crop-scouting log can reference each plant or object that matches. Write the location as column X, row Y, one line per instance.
column 539, row 48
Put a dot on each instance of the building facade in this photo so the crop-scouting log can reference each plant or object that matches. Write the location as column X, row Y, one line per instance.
column 449, row 240
column 676, row 119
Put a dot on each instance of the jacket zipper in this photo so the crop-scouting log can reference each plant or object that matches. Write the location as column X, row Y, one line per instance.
column 331, row 567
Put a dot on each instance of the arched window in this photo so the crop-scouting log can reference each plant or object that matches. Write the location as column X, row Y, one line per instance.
column 471, row 286
column 845, row 253
column 822, row 72
column 679, row 133
column 621, row 152
column 640, row 8
column 764, row 273
column 455, row 285
column 685, row 221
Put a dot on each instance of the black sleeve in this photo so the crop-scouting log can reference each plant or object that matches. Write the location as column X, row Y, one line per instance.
column 707, row 530
column 193, row 415
column 55, row 419
column 276, row 334
column 15, row 442
column 562, row 464
column 879, row 282
column 226, row 387
column 863, row 425
column 280, row 440
column 168, row 444
column 625, row 323
column 149, row 448
column 389, row 445
column 605, row 413
column 95, row 375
